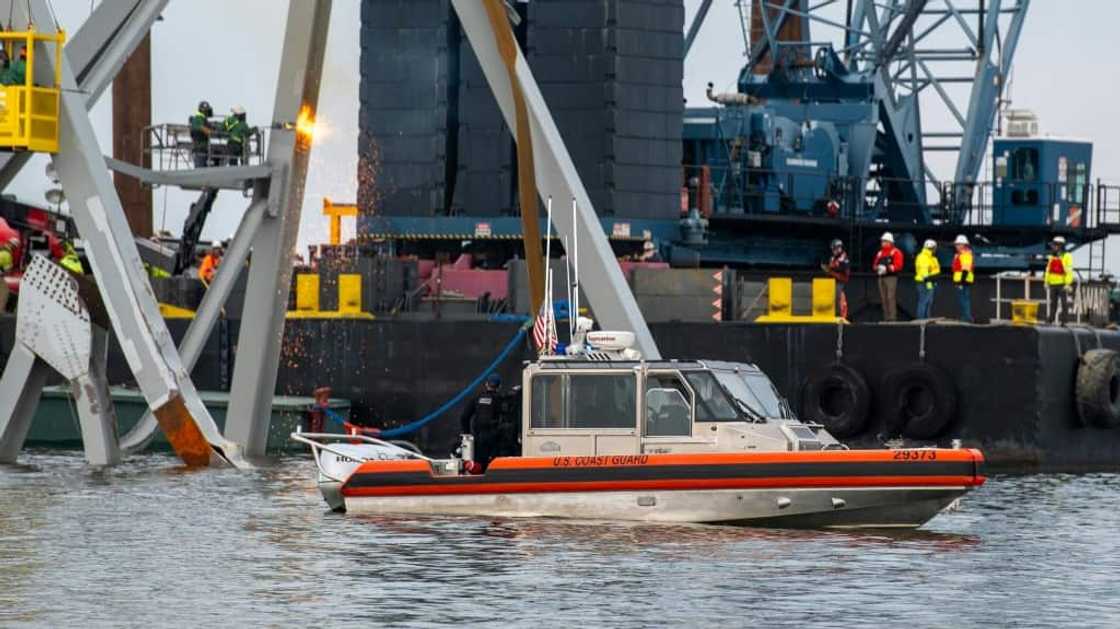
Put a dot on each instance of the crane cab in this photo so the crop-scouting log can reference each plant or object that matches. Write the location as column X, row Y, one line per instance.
column 29, row 109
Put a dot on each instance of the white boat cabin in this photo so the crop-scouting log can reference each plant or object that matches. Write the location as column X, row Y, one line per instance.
column 581, row 407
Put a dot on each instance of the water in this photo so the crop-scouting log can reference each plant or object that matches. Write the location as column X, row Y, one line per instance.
column 148, row 544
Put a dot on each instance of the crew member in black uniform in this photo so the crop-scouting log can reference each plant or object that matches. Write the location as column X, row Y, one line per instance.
column 480, row 420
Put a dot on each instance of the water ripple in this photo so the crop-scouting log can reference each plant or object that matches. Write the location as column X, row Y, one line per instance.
column 147, row 543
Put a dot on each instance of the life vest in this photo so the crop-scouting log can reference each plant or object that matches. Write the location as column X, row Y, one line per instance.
column 890, row 258
column 963, row 267
column 208, row 267
column 839, row 268
column 1059, row 269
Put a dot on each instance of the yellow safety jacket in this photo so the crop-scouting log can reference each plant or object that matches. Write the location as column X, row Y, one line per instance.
column 71, row 263
column 963, row 267
column 926, row 267
column 1059, row 269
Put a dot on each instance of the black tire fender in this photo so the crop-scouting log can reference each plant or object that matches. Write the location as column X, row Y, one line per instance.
column 920, row 401
column 838, row 397
column 1097, row 391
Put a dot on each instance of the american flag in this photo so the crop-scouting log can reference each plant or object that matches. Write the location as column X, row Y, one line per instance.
column 544, row 329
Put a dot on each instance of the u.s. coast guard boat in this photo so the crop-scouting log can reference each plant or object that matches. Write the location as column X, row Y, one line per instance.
column 606, row 435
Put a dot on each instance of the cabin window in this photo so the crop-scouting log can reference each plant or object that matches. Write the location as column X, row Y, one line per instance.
column 1024, row 164
column 712, row 404
column 1078, row 184
column 547, row 410
column 754, row 393
column 668, row 406
column 584, row 401
column 602, row 401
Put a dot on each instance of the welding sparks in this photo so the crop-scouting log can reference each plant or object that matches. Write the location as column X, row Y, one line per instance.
column 305, row 123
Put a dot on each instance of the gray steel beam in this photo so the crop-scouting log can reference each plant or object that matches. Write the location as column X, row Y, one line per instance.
column 905, row 27
column 20, row 389
column 141, row 331
column 697, row 22
column 97, row 418
column 91, row 58
column 208, row 313
column 224, row 177
column 605, row 285
column 266, row 296
column 987, row 89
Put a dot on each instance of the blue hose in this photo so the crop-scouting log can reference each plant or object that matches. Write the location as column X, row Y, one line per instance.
column 411, row 427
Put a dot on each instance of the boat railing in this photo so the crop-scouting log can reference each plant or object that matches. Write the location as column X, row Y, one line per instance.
column 1090, row 301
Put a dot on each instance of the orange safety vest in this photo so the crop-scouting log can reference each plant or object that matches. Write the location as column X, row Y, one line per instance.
column 963, row 267
column 208, row 267
column 1059, row 270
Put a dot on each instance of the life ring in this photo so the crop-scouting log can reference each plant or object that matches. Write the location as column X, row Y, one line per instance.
column 1097, row 391
column 839, row 399
column 920, row 401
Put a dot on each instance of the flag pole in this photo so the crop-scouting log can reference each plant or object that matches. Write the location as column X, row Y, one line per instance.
column 568, row 272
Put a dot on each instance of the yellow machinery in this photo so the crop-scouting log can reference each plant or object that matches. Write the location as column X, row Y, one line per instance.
column 349, row 298
column 29, row 112
column 336, row 212
column 780, row 310
column 1024, row 312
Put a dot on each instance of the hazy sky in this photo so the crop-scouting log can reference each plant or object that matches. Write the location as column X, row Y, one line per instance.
column 227, row 52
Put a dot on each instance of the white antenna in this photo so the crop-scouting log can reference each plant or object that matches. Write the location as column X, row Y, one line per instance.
column 573, row 299
column 568, row 271
column 548, row 274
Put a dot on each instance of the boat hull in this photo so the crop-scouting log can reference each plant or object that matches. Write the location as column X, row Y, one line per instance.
column 874, row 489
column 871, row 507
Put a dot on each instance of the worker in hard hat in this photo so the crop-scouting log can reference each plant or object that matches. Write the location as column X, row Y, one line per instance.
column 888, row 264
column 926, row 270
column 16, row 72
column 70, row 260
column 963, row 276
column 209, row 265
column 1059, row 280
column 237, row 132
column 840, row 269
column 201, row 129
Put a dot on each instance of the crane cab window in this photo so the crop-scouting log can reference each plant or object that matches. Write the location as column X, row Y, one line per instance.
column 1024, row 164
column 583, row 401
column 669, row 404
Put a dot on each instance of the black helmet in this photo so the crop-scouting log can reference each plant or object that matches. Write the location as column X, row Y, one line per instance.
column 205, row 109
column 837, row 244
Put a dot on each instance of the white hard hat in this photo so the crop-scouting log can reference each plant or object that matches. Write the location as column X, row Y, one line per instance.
column 888, row 237
column 237, row 109
column 1059, row 240
column 961, row 240
column 930, row 244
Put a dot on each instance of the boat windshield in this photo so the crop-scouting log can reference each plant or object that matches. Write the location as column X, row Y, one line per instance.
column 754, row 391
column 712, row 404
